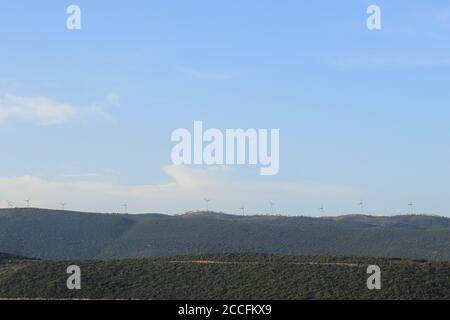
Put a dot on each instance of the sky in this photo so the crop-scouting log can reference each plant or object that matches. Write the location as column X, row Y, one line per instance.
column 86, row 115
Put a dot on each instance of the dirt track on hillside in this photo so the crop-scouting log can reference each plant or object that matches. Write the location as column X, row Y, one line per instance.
column 342, row 264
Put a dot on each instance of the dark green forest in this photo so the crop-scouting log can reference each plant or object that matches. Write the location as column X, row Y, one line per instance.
column 53, row 234
column 226, row 276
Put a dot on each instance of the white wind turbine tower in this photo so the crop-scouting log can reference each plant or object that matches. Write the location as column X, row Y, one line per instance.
column 243, row 210
column 322, row 209
column 361, row 204
column 63, row 205
column 411, row 204
column 125, row 208
column 27, row 201
column 271, row 207
column 207, row 201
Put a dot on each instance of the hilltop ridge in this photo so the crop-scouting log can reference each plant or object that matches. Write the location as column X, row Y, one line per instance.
column 56, row 234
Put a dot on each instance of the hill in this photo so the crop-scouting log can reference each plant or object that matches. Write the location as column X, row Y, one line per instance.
column 49, row 234
column 227, row 276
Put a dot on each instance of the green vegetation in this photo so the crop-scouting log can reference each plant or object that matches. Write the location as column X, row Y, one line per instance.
column 227, row 276
column 60, row 235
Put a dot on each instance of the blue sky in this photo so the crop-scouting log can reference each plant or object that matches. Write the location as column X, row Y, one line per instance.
column 362, row 114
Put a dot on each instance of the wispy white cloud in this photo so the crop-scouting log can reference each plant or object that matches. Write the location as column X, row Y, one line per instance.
column 79, row 175
column 44, row 111
column 184, row 192
column 113, row 98
column 204, row 75
column 40, row 110
column 380, row 61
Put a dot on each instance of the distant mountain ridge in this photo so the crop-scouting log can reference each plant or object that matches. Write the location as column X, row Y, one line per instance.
column 54, row 234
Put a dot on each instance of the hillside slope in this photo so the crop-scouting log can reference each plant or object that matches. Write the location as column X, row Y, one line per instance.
column 71, row 235
column 227, row 276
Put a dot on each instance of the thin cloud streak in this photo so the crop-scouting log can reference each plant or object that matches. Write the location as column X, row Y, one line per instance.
column 40, row 110
column 183, row 192
column 203, row 75
column 44, row 111
column 371, row 62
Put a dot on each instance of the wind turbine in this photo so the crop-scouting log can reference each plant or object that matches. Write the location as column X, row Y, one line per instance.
column 207, row 201
column 125, row 208
column 322, row 209
column 411, row 204
column 361, row 204
column 27, row 201
column 243, row 210
column 271, row 207
column 63, row 205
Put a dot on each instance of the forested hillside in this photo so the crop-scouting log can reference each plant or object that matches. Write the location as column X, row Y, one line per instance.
column 51, row 234
column 227, row 276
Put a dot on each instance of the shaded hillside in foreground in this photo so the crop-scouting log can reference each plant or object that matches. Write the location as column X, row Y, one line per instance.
column 51, row 234
column 227, row 276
